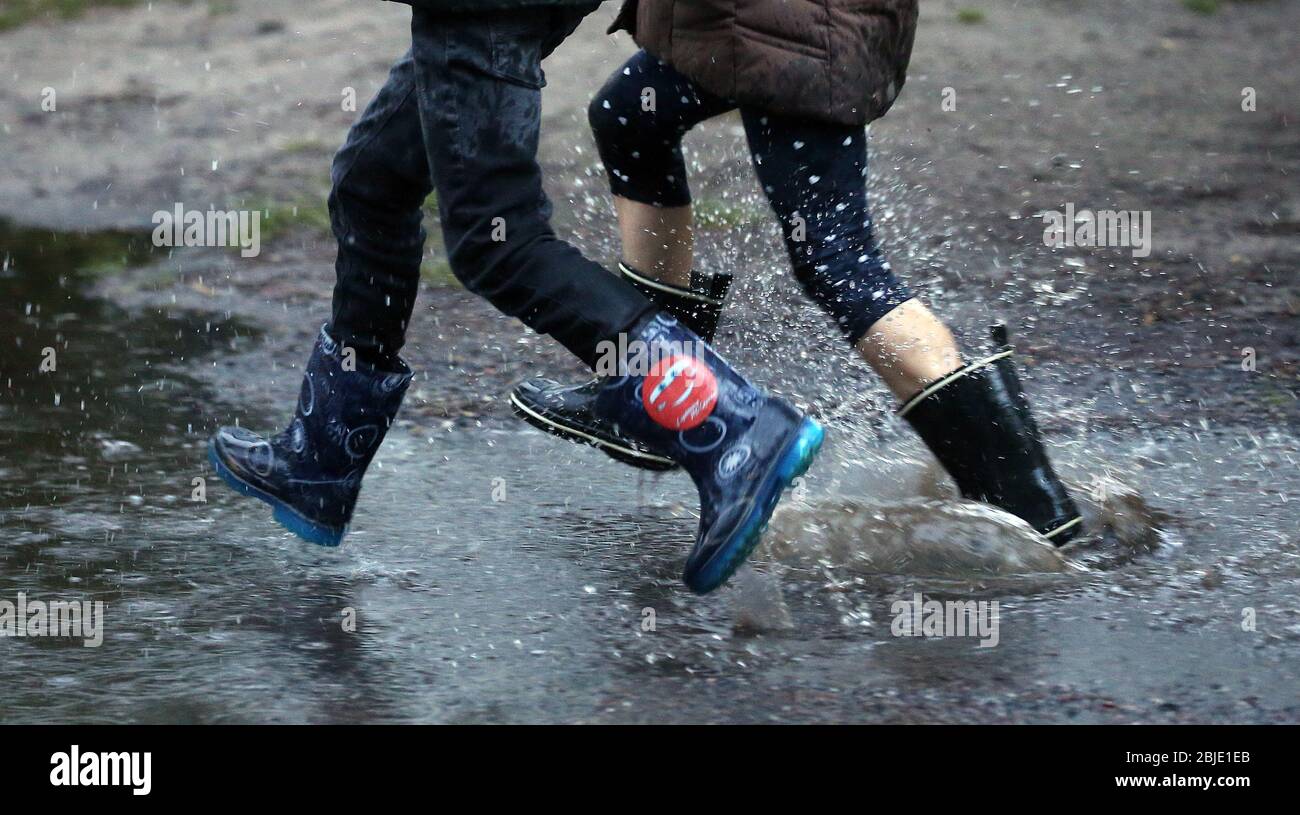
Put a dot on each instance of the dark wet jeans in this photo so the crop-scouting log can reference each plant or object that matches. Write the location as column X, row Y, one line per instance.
column 460, row 115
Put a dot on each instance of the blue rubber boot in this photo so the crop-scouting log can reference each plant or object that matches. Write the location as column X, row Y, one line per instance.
column 311, row 472
column 741, row 447
column 565, row 411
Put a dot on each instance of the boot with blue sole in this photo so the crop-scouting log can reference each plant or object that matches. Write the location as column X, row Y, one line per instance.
column 565, row 411
column 311, row 472
column 741, row 447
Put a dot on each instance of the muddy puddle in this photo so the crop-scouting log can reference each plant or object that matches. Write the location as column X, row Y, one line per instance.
column 494, row 574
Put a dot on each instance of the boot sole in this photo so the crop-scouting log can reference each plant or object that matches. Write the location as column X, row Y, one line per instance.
column 795, row 460
column 618, row 452
column 285, row 515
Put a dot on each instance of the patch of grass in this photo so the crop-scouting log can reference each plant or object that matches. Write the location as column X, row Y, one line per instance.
column 111, row 253
column 304, row 145
column 14, row 13
column 92, row 254
column 1202, row 6
column 437, row 272
column 1277, row 396
column 714, row 214
column 970, row 16
column 278, row 217
column 312, row 214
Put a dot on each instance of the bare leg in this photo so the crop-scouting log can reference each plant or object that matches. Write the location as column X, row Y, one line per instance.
column 910, row 348
column 657, row 241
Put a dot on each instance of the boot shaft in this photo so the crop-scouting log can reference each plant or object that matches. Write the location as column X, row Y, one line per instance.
column 978, row 424
column 345, row 407
column 677, row 394
column 311, row 472
column 699, row 308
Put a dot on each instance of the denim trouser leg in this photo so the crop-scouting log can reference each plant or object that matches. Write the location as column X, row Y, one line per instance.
column 380, row 180
column 479, row 83
column 463, row 112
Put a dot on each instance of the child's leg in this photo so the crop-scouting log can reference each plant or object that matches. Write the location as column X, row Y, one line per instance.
column 814, row 175
column 638, row 119
column 380, row 180
column 480, row 103
column 975, row 418
column 910, row 348
column 311, row 473
column 659, row 241
column 479, row 82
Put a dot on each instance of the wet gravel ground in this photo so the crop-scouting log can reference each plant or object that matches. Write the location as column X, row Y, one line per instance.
column 1095, row 115
column 535, row 613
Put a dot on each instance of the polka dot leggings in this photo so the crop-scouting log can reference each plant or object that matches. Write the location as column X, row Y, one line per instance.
column 813, row 173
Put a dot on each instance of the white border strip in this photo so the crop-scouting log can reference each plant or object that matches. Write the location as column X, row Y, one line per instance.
column 1058, row 530
column 594, row 440
column 664, row 287
column 955, row 375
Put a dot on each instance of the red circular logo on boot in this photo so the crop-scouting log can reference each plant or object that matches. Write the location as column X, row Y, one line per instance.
column 680, row 392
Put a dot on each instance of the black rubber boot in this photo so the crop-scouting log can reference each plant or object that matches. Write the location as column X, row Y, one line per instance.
column 565, row 411
column 311, row 472
column 978, row 424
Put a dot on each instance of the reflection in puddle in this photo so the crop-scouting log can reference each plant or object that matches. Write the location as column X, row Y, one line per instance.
column 89, row 393
column 564, row 602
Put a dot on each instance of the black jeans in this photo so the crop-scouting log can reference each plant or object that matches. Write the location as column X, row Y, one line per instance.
column 460, row 114
column 813, row 173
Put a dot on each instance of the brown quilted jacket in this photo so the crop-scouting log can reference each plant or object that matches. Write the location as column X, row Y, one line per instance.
column 842, row 61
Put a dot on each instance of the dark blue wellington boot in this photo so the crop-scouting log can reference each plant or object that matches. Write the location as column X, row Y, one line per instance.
column 565, row 411
column 741, row 447
column 311, row 472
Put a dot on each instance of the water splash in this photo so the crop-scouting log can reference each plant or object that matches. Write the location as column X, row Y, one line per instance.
column 938, row 538
column 757, row 603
